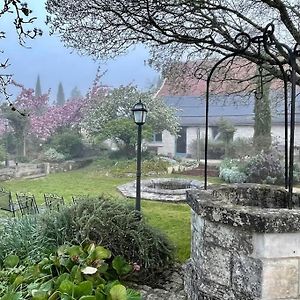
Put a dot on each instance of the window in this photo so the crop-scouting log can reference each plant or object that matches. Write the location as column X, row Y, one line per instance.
column 157, row 137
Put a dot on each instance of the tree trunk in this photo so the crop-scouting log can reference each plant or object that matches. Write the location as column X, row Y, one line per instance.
column 262, row 139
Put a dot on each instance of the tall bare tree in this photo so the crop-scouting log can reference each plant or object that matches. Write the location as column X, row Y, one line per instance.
column 176, row 29
column 21, row 22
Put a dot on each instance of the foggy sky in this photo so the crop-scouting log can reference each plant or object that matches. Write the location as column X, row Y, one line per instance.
column 54, row 63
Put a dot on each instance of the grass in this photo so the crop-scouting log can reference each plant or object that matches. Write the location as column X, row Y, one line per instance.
column 172, row 219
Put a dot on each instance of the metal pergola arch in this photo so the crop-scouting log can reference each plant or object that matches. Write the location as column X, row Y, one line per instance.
column 267, row 39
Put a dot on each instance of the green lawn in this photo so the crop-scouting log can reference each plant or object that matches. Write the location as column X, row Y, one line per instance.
column 172, row 219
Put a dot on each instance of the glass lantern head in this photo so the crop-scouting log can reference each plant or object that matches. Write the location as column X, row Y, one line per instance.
column 139, row 111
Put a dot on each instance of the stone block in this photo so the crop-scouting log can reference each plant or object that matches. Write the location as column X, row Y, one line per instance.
column 230, row 238
column 197, row 246
column 276, row 245
column 216, row 264
column 197, row 223
column 247, row 275
column 280, row 279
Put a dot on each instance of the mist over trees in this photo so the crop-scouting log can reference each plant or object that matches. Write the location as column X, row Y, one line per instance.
column 38, row 88
column 75, row 94
column 60, row 98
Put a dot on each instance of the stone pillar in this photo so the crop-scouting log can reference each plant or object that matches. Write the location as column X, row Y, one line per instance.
column 47, row 168
column 245, row 244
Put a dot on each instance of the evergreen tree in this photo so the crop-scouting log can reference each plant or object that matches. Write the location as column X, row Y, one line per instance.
column 226, row 130
column 75, row 94
column 60, row 98
column 262, row 139
column 38, row 89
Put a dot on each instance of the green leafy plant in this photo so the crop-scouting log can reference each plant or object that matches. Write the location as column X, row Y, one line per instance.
column 53, row 156
column 216, row 149
column 68, row 142
column 120, row 168
column 264, row 168
column 20, row 236
column 73, row 273
column 116, row 226
column 233, row 175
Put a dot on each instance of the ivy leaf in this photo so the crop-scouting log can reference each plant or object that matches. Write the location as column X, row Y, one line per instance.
column 12, row 296
column 66, row 287
column 84, row 288
column 100, row 253
column 11, row 261
column 117, row 292
column 74, row 251
column 121, row 265
column 19, row 280
column 39, row 295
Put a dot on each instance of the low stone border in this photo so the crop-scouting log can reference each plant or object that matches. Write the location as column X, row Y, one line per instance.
column 171, row 289
column 151, row 191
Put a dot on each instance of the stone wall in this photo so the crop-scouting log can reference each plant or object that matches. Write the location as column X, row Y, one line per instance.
column 28, row 170
column 243, row 251
column 67, row 165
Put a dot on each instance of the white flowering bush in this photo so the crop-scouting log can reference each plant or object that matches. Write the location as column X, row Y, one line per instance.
column 233, row 175
column 53, row 156
column 264, row 168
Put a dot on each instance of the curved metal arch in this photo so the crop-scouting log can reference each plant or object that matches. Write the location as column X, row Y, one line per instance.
column 232, row 55
column 293, row 54
column 268, row 34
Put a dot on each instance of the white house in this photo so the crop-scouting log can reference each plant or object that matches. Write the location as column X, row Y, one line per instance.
column 191, row 112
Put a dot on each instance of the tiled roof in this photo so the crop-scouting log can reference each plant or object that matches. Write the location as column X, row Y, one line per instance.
column 191, row 111
column 235, row 77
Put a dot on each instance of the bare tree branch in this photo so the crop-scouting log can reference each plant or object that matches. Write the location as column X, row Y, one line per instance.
column 22, row 19
column 176, row 30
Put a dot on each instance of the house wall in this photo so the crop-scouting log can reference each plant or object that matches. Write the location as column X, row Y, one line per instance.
column 278, row 134
column 243, row 132
column 192, row 133
column 168, row 144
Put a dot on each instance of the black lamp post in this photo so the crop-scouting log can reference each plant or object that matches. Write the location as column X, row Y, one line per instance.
column 6, row 144
column 139, row 113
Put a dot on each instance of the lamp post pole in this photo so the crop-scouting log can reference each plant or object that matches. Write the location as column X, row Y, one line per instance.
column 6, row 146
column 139, row 111
column 138, row 169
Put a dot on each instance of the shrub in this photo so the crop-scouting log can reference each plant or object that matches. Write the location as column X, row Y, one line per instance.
column 216, row 149
column 115, row 226
column 241, row 147
column 265, row 168
column 2, row 153
column 261, row 168
column 69, row 143
column 124, row 167
column 233, row 175
column 53, row 156
column 296, row 173
column 21, row 237
column 22, row 159
column 73, row 272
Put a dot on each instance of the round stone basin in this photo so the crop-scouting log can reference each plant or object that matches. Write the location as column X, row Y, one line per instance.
column 260, row 208
column 162, row 189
